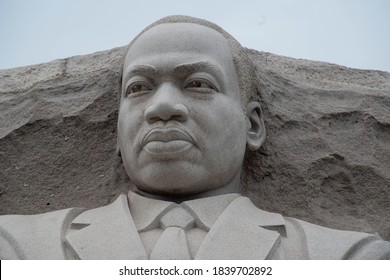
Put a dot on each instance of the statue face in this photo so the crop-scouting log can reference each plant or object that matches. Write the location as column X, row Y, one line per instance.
column 181, row 127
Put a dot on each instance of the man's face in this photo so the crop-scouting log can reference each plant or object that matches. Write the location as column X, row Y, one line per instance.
column 181, row 126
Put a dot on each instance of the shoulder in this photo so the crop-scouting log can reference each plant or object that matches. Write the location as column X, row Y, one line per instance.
column 318, row 242
column 34, row 236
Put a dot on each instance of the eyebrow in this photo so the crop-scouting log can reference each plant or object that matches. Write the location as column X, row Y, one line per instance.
column 186, row 69
column 139, row 69
column 180, row 71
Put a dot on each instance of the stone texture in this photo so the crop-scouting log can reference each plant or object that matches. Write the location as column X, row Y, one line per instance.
column 326, row 159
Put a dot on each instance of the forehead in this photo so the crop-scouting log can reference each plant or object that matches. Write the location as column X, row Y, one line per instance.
column 181, row 43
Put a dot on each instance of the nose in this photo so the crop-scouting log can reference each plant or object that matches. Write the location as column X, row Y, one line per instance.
column 166, row 105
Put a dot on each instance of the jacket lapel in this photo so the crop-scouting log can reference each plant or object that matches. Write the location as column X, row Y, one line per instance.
column 243, row 232
column 106, row 233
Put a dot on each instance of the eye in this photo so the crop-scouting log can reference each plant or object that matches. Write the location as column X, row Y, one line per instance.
column 137, row 87
column 200, row 84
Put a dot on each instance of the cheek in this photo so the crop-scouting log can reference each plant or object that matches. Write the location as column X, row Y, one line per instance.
column 123, row 124
column 121, row 127
column 125, row 134
column 129, row 120
column 223, row 126
column 223, row 119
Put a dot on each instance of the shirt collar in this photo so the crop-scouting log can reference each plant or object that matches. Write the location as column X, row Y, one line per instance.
column 147, row 212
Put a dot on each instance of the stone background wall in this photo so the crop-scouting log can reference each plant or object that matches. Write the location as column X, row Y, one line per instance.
column 326, row 159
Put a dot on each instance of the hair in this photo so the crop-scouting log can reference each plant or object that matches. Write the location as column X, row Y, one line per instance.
column 246, row 71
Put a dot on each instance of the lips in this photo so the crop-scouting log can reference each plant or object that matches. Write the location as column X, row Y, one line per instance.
column 166, row 135
column 167, row 141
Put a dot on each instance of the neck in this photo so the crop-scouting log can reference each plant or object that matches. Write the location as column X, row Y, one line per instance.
column 232, row 187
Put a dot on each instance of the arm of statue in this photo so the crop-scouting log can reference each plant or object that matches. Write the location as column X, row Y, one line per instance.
column 8, row 249
column 374, row 249
column 309, row 241
column 35, row 236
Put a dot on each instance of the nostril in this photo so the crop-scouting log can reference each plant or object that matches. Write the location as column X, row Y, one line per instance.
column 150, row 114
column 181, row 112
column 177, row 118
column 165, row 112
column 153, row 119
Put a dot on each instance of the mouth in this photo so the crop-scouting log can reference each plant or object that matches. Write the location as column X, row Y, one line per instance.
column 167, row 141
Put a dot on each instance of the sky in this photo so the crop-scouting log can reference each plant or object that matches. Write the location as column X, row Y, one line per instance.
column 353, row 33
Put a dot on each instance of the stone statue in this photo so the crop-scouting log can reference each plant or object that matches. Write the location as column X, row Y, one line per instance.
column 189, row 116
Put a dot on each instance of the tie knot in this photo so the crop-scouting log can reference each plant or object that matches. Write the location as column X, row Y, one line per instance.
column 177, row 217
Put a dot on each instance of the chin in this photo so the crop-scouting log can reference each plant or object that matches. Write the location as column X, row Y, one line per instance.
column 170, row 187
column 176, row 178
column 174, row 192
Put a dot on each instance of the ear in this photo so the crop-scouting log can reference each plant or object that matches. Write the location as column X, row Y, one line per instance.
column 255, row 126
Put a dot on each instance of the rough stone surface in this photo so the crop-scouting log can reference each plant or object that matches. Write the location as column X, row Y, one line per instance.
column 326, row 159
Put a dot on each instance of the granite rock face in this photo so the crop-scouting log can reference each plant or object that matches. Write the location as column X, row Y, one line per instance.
column 326, row 159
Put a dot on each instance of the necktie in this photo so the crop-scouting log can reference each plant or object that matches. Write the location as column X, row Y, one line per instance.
column 172, row 244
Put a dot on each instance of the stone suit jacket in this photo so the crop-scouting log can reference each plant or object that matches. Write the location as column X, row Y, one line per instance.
column 241, row 232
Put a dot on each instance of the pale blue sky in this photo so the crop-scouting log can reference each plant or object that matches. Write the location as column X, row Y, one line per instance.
column 351, row 33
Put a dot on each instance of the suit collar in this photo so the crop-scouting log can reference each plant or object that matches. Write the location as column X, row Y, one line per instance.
column 146, row 212
column 207, row 210
column 109, row 232
column 106, row 233
column 252, row 233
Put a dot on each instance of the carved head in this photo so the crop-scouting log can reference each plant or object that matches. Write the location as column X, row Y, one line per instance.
column 187, row 111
